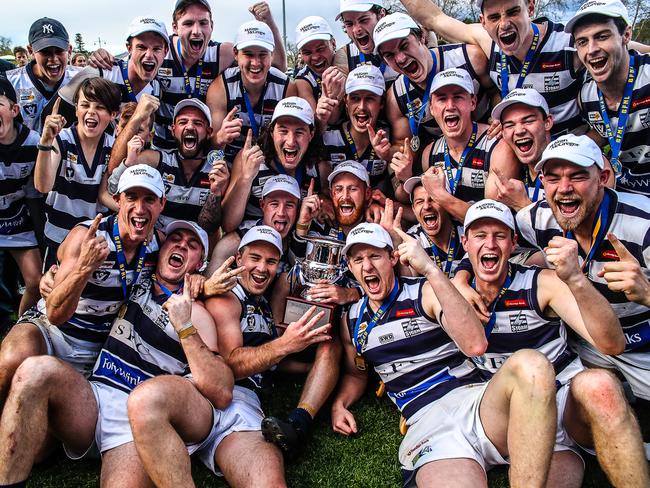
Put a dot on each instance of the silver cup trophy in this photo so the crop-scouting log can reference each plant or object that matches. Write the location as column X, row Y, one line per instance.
column 322, row 262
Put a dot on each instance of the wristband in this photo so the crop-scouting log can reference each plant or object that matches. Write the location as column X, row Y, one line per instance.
column 186, row 331
column 300, row 226
column 43, row 147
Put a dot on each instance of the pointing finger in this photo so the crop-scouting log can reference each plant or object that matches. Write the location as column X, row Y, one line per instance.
column 92, row 230
column 310, row 191
column 619, row 247
column 232, row 113
column 249, row 139
column 55, row 109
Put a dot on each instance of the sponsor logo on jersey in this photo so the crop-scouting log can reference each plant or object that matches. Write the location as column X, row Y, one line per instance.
column 641, row 103
column 411, row 328
column 385, row 339
column 165, row 72
column 552, row 83
column 551, row 66
column 518, row 323
column 409, row 312
column 478, row 163
column 610, row 254
column 520, row 303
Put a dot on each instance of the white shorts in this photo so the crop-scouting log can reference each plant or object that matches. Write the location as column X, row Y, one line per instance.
column 244, row 414
column 634, row 366
column 81, row 355
column 449, row 428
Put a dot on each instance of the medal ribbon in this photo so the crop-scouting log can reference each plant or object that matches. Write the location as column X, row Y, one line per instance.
column 125, row 77
column 300, row 171
column 453, row 182
column 166, row 290
column 353, row 148
column 415, row 126
column 525, row 67
column 382, row 65
column 493, row 315
column 599, row 231
column 196, row 92
column 361, row 336
column 616, row 139
column 249, row 109
column 121, row 259
column 450, row 252
column 527, row 184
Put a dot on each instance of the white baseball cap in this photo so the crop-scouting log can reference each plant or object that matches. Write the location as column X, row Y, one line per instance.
column 453, row 76
column 296, row 107
column 368, row 233
column 193, row 102
column 608, row 8
column 312, row 28
column 254, row 33
column 262, row 233
column 356, row 6
column 285, row 183
column 366, row 77
column 191, row 226
column 580, row 150
column 410, row 185
column 147, row 23
column 142, row 176
column 352, row 167
column 489, row 209
column 527, row 96
column 393, row 26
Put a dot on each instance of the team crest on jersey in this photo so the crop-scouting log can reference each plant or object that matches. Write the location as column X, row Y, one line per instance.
column 101, row 275
column 165, row 72
column 411, row 327
column 168, row 187
column 552, row 82
column 478, row 179
column 645, row 119
column 595, row 120
column 69, row 173
column 518, row 323
column 165, row 82
column 30, row 109
column 378, row 166
column 169, row 178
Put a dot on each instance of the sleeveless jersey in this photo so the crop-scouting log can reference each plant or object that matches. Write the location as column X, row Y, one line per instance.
column 314, row 80
column 17, row 161
column 629, row 220
column 414, row 357
column 142, row 343
column 356, row 58
column 274, row 90
column 73, row 197
column 115, row 75
column 32, row 94
column 185, row 198
column 427, row 244
column 257, row 328
column 535, row 194
column 471, row 185
column 551, row 73
column 635, row 148
column 170, row 76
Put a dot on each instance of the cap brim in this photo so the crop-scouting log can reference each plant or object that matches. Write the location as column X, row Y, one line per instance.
column 361, row 7
column 410, row 184
column 577, row 159
column 262, row 44
column 161, row 34
column 67, row 92
column 398, row 34
column 183, row 224
column 372, row 89
column 187, row 103
column 335, row 173
column 322, row 36
column 301, row 118
column 147, row 186
column 571, row 23
column 283, row 190
column 41, row 44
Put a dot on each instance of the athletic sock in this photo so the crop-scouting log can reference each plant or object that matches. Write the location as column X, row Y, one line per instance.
column 300, row 419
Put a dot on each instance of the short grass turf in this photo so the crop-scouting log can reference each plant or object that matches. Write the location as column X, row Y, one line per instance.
column 329, row 460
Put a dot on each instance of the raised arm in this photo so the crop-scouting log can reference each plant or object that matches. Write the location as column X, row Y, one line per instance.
column 47, row 161
column 262, row 12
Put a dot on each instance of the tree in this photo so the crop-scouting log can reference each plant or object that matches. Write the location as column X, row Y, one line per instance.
column 79, row 44
column 293, row 56
column 639, row 13
column 5, row 45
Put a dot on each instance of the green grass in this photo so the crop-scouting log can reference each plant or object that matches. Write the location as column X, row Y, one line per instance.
column 330, row 460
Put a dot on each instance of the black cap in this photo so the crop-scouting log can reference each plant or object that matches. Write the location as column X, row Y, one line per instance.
column 46, row 33
column 7, row 89
column 187, row 3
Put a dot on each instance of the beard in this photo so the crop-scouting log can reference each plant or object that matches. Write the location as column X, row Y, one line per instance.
column 348, row 219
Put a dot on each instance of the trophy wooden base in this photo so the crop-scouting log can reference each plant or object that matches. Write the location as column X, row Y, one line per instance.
column 296, row 307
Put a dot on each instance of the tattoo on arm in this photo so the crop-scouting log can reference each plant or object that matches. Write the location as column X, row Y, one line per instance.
column 210, row 216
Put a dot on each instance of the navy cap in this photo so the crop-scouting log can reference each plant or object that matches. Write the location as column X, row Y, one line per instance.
column 46, row 33
column 7, row 89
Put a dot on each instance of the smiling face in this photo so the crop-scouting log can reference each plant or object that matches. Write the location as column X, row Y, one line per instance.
column 451, row 107
column 318, row 55
column 573, row 192
column 363, row 108
column 349, row 196
column 21, row 58
column 147, row 52
column 373, row 269
column 194, row 28
column 359, row 26
column 138, row 211
column 50, row 64
column 408, row 56
column 181, row 253
column 254, row 63
column 433, row 218
column 261, row 261
column 280, row 211
column 291, row 138
column 602, row 49
column 92, row 117
column 508, row 23
column 8, row 112
column 527, row 131
column 489, row 244
column 191, row 131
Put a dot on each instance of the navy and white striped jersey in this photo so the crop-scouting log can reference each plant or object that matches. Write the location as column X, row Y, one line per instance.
column 185, row 198
column 535, row 188
column 356, row 58
column 414, row 357
column 275, row 90
column 552, row 74
column 73, row 198
column 32, row 94
column 257, row 327
column 142, row 343
column 635, row 148
column 427, row 244
column 115, row 75
column 171, row 78
column 103, row 295
column 522, row 324
column 311, row 77
column 629, row 220
column 17, row 161
column 471, row 185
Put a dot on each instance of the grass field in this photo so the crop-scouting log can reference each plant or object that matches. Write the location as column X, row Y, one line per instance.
column 367, row 460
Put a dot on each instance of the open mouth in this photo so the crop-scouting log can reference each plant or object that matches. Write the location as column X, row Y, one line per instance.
column 430, row 221
column 91, row 123
column 363, row 42
column 597, row 64
column 452, row 121
column 508, row 39
column 139, row 223
column 255, row 70
column 346, row 208
column 280, row 225
column 411, row 68
column 525, row 144
column 320, row 65
column 190, row 140
column 372, row 283
column 489, row 261
column 176, row 260
column 196, row 44
column 568, row 208
column 53, row 70
column 362, row 119
column 149, row 67
column 290, row 155
column 259, row 279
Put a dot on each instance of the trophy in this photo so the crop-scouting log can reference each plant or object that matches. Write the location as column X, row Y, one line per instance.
column 322, row 261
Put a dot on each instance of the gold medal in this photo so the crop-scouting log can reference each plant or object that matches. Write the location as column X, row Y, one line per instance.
column 381, row 389
column 359, row 362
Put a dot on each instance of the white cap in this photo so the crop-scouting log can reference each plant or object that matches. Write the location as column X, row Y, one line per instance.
column 193, row 102
column 312, row 28
column 142, row 176
column 147, row 23
column 453, row 76
column 296, row 107
column 580, row 150
column 410, row 185
column 366, row 77
column 352, row 167
column 393, row 26
column 608, row 8
column 285, row 183
column 356, row 6
column 262, row 233
column 368, row 233
column 527, row 96
column 489, row 209
column 194, row 227
column 254, row 33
